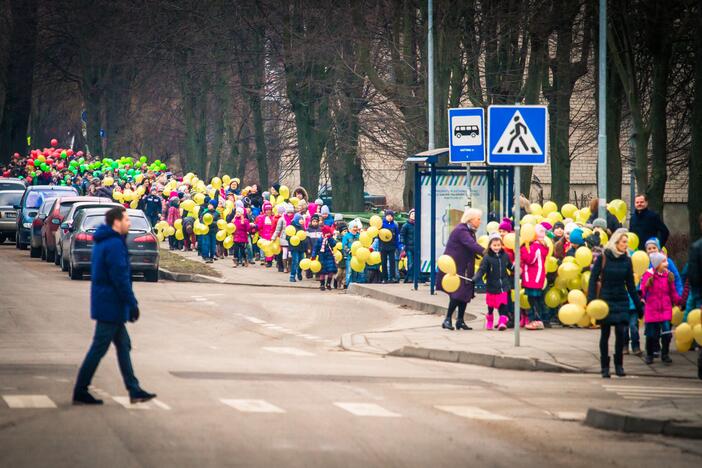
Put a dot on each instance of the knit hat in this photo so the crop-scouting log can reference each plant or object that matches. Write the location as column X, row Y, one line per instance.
column 289, row 208
column 280, row 209
column 389, row 213
column 266, row 195
column 236, row 179
column 239, row 211
column 297, row 218
column 576, row 236
column 546, row 225
column 599, row 223
column 570, row 227
column 338, row 217
column 656, row 259
column 276, row 187
column 410, row 213
column 319, row 202
column 558, row 224
column 506, row 225
column 654, row 241
column 325, row 210
column 327, row 231
column 315, row 217
column 493, row 236
column 267, row 206
column 540, row 232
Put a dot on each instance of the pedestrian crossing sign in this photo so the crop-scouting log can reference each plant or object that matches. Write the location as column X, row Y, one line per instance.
column 517, row 135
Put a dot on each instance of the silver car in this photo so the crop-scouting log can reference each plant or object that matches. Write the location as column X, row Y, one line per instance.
column 8, row 213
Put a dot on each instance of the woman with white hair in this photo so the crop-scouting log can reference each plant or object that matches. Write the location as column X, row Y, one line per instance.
column 612, row 280
column 462, row 246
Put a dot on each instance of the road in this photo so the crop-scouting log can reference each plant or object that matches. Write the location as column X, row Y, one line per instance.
column 254, row 377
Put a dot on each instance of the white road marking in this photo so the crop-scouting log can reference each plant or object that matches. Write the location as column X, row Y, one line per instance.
column 199, row 299
column 41, row 377
column 366, row 409
column 252, row 406
column 124, row 401
column 570, row 415
column 28, row 401
column 472, row 412
column 640, row 392
column 309, row 337
column 432, row 387
column 161, row 404
column 254, row 319
column 286, row 350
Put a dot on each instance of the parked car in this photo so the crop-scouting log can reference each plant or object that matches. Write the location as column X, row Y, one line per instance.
column 63, row 235
column 59, row 208
column 142, row 243
column 8, row 213
column 28, row 207
column 8, row 183
column 369, row 201
column 37, row 224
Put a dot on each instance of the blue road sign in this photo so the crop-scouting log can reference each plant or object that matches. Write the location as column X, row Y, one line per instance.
column 517, row 135
column 466, row 135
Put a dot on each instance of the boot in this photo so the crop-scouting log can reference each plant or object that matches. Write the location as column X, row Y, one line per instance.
column 649, row 351
column 329, row 284
column 489, row 321
column 288, row 263
column 604, row 361
column 502, row 323
column 665, row 349
column 461, row 325
column 321, row 285
column 447, row 324
column 619, row 365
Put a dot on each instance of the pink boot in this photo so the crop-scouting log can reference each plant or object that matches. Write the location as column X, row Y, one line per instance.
column 502, row 324
column 522, row 320
column 489, row 322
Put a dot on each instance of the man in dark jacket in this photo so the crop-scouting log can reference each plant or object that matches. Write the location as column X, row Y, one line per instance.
column 153, row 206
column 388, row 248
column 112, row 304
column 407, row 237
column 646, row 223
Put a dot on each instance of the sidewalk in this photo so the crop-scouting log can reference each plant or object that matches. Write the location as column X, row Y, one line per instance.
column 555, row 350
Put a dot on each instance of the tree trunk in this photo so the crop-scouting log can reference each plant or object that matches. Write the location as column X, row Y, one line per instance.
column 614, row 126
column 18, row 83
column 260, row 139
column 219, row 115
column 532, row 91
column 117, row 101
column 195, row 117
column 694, row 194
column 91, row 99
column 659, row 121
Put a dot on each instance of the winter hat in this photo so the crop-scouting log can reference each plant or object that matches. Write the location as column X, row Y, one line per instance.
column 506, row 225
column 656, row 259
column 319, row 202
column 280, row 209
column 576, row 236
column 338, row 217
column 266, row 195
column 389, row 213
column 325, row 210
column 546, row 225
column 315, row 217
column 599, row 223
column 267, row 206
column 558, row 224
column 410, row 213
column 570, row 227
column 327, row 231
column 276, row 187
column 239, row 204
column 494, row 236
column 236, row 179
column 297, row 218
column 239, row 211
column 540, row 232
column 289, row 208
column 654, row 241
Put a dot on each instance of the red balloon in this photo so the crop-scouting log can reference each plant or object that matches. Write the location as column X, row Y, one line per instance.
column 54, row 142
column 47, row 151
column 30, row 162
column 79, row 154
column 6, row 174
column 49, row 161
column 60, row 166
column 69, row 152
column 16, row 155
column 29, row 179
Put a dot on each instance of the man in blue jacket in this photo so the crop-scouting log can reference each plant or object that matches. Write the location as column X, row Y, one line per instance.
column 112, row 304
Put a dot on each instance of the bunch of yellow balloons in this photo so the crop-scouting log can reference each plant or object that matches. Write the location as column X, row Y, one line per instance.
column 688, row 330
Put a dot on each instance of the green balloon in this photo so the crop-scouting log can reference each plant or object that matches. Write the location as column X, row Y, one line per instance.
column 143, row 159
column 64, row 155
column 81, row 160
column 33, row 174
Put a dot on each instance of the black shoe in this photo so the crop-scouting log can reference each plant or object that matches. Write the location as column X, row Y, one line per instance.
column 447, row 325
column 637, row 352
column 619, row 370
column 321, row 287
column 604, row 363
column 547, row 324
column 462, row 326
column 648, row 359
column 141, row 396
column 329, row 287
column 85, row 399
column 666, row 358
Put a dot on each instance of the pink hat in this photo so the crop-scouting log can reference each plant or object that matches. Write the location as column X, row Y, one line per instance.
column 540, row 232
column 506, row 225
column 547, row 225
column 267, row 206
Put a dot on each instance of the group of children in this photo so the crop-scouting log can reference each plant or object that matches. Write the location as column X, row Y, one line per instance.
column 661, row 287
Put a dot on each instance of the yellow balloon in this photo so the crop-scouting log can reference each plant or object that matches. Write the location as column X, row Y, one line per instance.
column 640, row 262
column 694, row 317
column 221, row 235
column 568, row 210
column 524, row 301
column 552, row 298
column 315, row 266
column 682, row 346
column 528, row 219
column 570, row 314
column 205, row 229
column 492, row 226
column 355, row 246
column 294, row 240
column 231, row 228
column 178, row 223
column 302, row 235
column 134, row 204
column 372, row 231
column 633, row 241
column 697, row 333
column 551, row 264
column 305, row 264
column 337, row 246
column 221, row 224
column 584, row 321
column 357, row 265
column 683, row 333
column 583, row 257
column 554, row 217
column 290, row 231
column 374, row 258
column 577, row 297
column 365, row 239
column 160, row 237
column 188, row 205
column 216, row 183
column 362, row 254
column 548, row 208
column 226, row 180
column 509, row 240
column 446, row 264
column 207, row 218
column 284, row 192
column 568, row 260
column 536, row 209
column 483, row 241
column 108, row 181
column 199, row 198
column 170, row 231
column 574, row 283
column 119, row 196
column 583, row 215
column 179, row 235
column 385, row 235
column 528, row 234
column 677, row 316
column 450, row 283
column 568, row 271
column 585, row 280
column 337, row 256
column 598, row 309
column 376, row 221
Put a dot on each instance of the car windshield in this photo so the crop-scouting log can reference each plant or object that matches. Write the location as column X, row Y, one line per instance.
column 91, row 223
column 10, row 198
column 5, row 185
column 36, row 197
column 139, row 224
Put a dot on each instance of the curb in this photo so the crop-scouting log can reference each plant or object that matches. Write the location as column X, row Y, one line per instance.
column 622, row 421
column 197, row 278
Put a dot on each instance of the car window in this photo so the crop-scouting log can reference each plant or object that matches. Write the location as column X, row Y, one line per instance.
column 91, row 223
column 139, row 224
column 7, row 185
column 46, row 207
column 10, row 198
column 65, row 208
column 35, row 198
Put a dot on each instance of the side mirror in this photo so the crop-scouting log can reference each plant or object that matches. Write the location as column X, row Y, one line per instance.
column 41, row 216
column 55, row 221
column 67, row 226
column 16, row 207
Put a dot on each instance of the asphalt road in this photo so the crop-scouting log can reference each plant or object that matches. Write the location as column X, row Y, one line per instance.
column 254, row 377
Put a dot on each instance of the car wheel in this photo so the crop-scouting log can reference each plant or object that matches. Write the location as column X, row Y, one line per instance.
column 74, row 273
column 50, row 255
column 64, row 264
column 43, row 253
column 57, row 259
column 151, row 276
column 35, row 252
column 2, row 239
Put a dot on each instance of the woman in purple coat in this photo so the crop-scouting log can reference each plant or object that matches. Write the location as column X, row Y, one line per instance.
column 462, row 246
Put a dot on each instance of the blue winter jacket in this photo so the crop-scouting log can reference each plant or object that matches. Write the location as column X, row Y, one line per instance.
column 392, row 245
column 111, row 295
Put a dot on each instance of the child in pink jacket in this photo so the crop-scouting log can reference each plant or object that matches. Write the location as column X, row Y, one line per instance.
column 533, row 260
column 265, row 222
column 241, row 237
column 659, row 293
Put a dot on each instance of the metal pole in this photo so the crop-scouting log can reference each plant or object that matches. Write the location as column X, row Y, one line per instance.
column 417, row 256
column 602, row 135
column 632, row 172
column 430, row 77
column 469, row 189
column 517, row 268
column 432, row 244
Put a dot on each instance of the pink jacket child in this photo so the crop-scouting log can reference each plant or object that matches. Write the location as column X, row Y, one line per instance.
column 173, row 212
column 533, row 260
column 243, row 227
column 658, row 290
column 266, row 222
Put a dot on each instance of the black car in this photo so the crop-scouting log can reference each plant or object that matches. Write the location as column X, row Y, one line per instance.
column 142, row 243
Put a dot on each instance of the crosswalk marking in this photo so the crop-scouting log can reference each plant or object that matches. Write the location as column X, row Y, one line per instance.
column 472, row 412
column 287, row 350
column 124, row 401
column 570, row 415
column 366, row 409
column 643, row 393
column 252, row 406
column 254, row 319
column 161, row 404
column 28, row 401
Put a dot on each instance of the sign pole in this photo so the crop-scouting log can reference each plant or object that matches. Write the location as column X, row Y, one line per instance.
column 602, row 117
column 517, row 245
column 469, row 189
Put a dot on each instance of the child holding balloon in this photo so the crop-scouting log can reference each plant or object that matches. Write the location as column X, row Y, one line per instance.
column 497, row 269
column 324, row 251
column 533, row 264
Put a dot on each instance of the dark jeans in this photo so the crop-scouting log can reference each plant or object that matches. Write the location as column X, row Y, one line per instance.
column 538, row 309
column 657, row 338
column 619, row 336
column 106, row 333
column 409, row 277
column 633, row 332
column 239, row 250
column 389, row 265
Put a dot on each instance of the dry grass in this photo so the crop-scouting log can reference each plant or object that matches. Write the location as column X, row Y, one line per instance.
column 177, row 264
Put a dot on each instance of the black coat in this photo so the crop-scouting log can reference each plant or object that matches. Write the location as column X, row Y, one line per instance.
column 694, row 269
column 497, row 267
column 407, row 235
column 646, row 224
column 617, row 287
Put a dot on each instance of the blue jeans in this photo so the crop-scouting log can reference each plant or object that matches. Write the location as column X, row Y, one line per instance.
column 410, row 266
column 106, row 333
column 353, row 276
column 633, row 334
column 295, row 264
column 209, row 245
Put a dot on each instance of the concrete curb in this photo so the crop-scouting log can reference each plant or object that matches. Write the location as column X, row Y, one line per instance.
column 622, row 421
column 197, row 278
